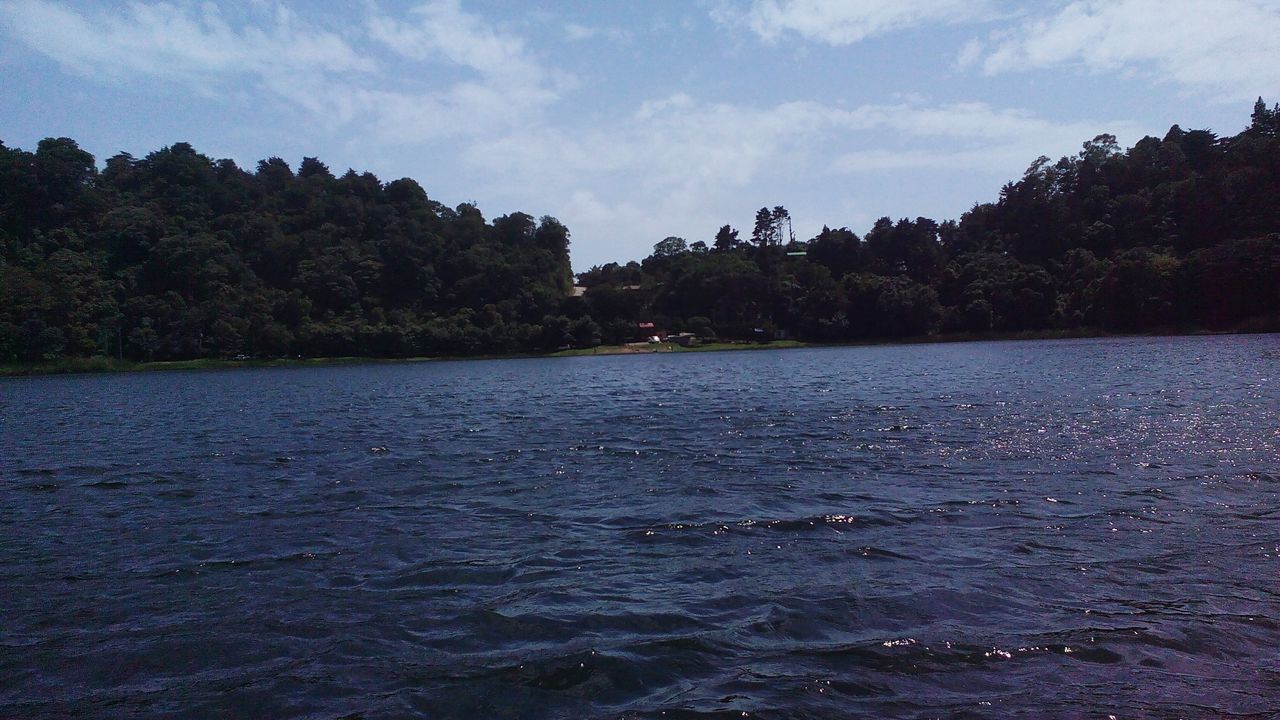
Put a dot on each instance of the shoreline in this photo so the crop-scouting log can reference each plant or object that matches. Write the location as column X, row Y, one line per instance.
column 103, row 365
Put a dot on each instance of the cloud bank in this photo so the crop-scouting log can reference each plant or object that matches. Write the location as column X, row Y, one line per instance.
column 844, row 22
column 176, row 43
column 334, row 79
column 1226, row 49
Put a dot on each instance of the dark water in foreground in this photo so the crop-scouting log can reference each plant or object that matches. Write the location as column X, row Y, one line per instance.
column 1036, row 529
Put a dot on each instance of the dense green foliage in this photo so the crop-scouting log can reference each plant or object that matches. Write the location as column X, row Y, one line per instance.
column 1176, row 233
column 177, row 256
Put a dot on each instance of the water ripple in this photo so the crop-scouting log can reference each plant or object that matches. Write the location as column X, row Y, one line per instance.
column 984, row 530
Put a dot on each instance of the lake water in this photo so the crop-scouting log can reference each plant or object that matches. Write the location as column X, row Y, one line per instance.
column 1032, row 529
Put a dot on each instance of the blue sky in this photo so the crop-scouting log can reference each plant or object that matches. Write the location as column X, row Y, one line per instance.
column 632, row 121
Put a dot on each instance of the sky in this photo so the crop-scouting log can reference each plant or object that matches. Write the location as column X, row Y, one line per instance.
column 634, row 121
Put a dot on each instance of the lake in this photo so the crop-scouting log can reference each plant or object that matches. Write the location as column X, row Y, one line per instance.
column 1033, row 529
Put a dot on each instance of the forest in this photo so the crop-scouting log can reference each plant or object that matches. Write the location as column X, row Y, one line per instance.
column 178, row 256
column 1176, row 234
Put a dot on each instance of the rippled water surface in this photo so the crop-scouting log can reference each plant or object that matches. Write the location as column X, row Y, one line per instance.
column 1033, row 529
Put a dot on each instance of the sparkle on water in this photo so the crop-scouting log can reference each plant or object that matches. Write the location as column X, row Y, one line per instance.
column 1035, row 529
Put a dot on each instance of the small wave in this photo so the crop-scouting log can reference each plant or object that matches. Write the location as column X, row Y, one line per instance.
column 836, row 521
column 911, row 656
column 448, row 576
column 876, row 553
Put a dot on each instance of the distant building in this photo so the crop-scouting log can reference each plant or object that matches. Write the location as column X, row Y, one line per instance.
column 647, row 331
column 684, row 339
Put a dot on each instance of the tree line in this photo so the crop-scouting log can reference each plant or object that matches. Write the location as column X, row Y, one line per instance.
column 176, row 256
column 1176, row 233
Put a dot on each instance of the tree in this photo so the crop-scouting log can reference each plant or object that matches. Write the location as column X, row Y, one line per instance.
column 274, row 174
column 670, row 247
column 63, row 170
column 1263, row 121
column 782, row 218
column 1235, row 281
column 840, row 251
column 312, row 167
column 763, row 232
column 515, row 229
column 908, row 247
column 726, row 238
column 772, row 227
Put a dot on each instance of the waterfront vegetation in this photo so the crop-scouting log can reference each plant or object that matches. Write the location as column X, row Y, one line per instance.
column 101, row 364
column 176, row 260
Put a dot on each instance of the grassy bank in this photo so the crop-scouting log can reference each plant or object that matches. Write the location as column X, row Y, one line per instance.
column 69, row 366
column 103, row 365
column 639, row 349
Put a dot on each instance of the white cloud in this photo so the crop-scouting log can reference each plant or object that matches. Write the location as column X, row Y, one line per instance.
column 1225, row 50
column 176, row 43
column 675, row 145
column 969, row 55
column 306, row 67
column 966, row 140
column 971, row 121
column 511, row 88
column 844, row 22
column 494, row 81
column 443, row 31
column 677, row 165
column 576, row 32
column 674, row 165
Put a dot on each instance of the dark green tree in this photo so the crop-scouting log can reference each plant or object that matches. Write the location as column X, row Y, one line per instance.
column 726, row 238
